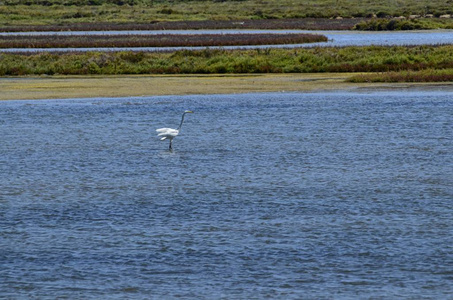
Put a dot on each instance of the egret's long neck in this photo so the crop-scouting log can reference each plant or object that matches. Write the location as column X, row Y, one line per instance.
column 182, row 120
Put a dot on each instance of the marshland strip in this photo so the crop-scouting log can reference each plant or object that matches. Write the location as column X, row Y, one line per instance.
column 155, row 40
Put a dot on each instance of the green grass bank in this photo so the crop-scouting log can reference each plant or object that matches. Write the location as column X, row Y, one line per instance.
column 58, row 12
column 310, row 60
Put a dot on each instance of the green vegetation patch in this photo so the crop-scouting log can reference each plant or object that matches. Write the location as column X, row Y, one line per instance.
column 406, row 76
column 34, row 12
column 211, row 61
column 403, row 24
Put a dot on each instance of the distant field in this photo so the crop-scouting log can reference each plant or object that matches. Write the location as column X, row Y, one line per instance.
column 305, row 23
column 60, row 12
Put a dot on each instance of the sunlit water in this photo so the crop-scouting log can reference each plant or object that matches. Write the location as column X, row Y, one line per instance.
column 283, row 196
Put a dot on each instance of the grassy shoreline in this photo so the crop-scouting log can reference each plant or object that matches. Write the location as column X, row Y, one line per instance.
column 221, row 61
column 69, row 87
column 364, row 64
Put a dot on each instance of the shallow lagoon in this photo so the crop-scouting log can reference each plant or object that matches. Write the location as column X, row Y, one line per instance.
column 281, row 195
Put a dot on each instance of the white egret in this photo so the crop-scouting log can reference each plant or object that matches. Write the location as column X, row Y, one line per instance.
column 170, row 133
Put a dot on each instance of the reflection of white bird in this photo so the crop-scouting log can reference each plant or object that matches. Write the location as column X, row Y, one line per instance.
column 170, row 133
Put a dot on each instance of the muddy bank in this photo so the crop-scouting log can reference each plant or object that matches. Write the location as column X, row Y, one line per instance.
column 61, row 87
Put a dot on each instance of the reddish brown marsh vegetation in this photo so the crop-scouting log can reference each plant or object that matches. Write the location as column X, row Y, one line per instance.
column 158, row 40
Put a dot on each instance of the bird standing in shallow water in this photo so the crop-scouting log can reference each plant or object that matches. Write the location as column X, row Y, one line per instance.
column 170, row 133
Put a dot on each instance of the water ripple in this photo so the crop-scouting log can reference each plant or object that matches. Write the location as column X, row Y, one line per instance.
column 336, row 195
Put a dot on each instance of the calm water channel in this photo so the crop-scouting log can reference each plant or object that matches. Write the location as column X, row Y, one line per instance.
column 336, row 39
column 282, row 195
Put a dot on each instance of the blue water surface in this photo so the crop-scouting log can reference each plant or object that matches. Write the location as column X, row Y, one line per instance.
column 283, row 195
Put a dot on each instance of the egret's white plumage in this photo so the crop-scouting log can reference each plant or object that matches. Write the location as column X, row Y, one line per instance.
column 170, row 133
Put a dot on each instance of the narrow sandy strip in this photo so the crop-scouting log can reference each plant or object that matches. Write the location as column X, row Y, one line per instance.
column 65, row 87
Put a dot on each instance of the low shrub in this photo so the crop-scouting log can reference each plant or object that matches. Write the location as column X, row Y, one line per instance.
column 398, row 24
column 309, row 60
column 429, row 75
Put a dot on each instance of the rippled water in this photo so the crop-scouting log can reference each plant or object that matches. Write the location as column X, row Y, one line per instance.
column 287, row 196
